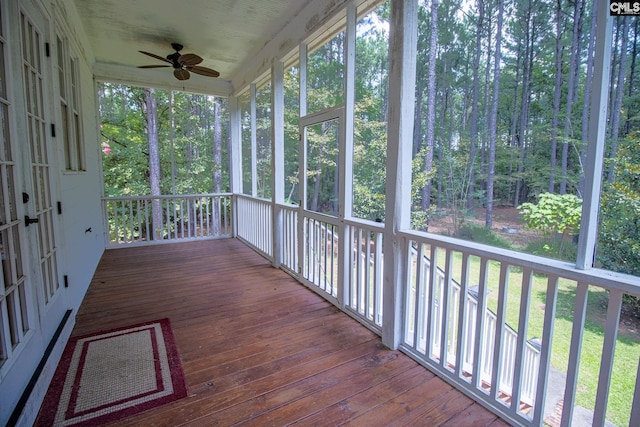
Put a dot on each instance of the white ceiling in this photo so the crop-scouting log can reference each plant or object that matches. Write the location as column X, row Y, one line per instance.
column 228, row 34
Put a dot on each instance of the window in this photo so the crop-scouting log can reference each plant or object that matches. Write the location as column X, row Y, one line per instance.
column 370, row 115
column 71, row 118
column 325, row 75
column 263, row 140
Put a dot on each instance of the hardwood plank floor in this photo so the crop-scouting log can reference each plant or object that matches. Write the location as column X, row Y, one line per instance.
column 258, row 348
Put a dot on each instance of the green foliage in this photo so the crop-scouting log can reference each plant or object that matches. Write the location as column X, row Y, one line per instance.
column 420, row 217
column 325, row 75
column 369, row 161
column 619, row 240
column 455, row 177
column 187, row 160
column 554, row 213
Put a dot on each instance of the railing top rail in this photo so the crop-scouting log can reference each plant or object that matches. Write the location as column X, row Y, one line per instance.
column 165, row 196
column 597, row 277
column 329, row 219
column 289, row 206
column 250, row 197
column 373, row 225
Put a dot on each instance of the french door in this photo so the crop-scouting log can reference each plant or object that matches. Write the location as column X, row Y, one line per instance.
column 17, row 307
column 40, row 220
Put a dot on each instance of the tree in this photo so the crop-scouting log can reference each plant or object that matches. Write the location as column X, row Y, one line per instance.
column 186, row 163
column 571, row 89
column 617, row 105
column 473, row 138
column 557, row 91
column 586, row 101
column 431, row 104
column 619, row 233
column 217, row 161
column 154, row 161
column 493, row 123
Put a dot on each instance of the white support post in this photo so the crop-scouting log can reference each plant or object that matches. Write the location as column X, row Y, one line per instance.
column 302, row 60
column 235, row 158
column 254, row 144
column 402, row 76
column 302, row 156
column 595, row 150
column 345, row 173
column 277, row 147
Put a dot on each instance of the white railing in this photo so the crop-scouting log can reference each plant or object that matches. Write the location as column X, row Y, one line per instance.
column 289, row 237
column 139, row 220
column 363, row 295
column 321, row 247
column 254, row 223
column 320, row 253
column 418, row 340
column 468, row 340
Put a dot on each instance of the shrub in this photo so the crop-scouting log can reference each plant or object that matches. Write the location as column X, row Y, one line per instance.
column 554, row 213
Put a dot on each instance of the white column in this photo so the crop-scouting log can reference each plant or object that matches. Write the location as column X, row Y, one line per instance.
column 402, row 74
column 254, row 144
column 302, row 185
column 346, row 153
column 277, row 155
column 302, row 59
column 595, row 150
column 345, row 172
column 235, row 156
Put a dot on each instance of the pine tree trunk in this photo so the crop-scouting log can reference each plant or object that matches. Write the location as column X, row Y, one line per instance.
column 473, row 137
column 557, row 92
column 617, row 106
column 494, row 119
column 632, row 72
column 525, row 100
column 154, row 162
column 431, row 104
column 573, row 68
column 217, row 164
column 587, row 96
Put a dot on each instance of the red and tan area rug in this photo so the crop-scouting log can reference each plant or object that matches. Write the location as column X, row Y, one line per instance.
column 114, row 374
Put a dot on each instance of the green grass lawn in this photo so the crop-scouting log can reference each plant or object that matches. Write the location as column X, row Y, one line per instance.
column 627, row 351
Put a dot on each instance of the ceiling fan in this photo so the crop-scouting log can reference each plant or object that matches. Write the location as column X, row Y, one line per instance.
column 182, row 64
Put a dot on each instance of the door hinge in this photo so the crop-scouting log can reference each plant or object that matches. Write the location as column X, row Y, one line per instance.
column 66, row 281
column 47, row 50
column 53, row 130
column 59, row 208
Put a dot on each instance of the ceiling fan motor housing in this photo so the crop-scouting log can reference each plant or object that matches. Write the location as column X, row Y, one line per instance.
column 174, row 56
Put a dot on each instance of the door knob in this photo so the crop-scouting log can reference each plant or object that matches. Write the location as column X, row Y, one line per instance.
column 28, row 220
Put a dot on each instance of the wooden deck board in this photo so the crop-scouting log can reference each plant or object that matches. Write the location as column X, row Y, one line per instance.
column 258, row 348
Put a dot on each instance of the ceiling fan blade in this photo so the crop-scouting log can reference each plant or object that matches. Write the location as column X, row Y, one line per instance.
column 153, row 55
column 154, row 66
column 181, row 74
column 204, row 71
column 189, row 59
